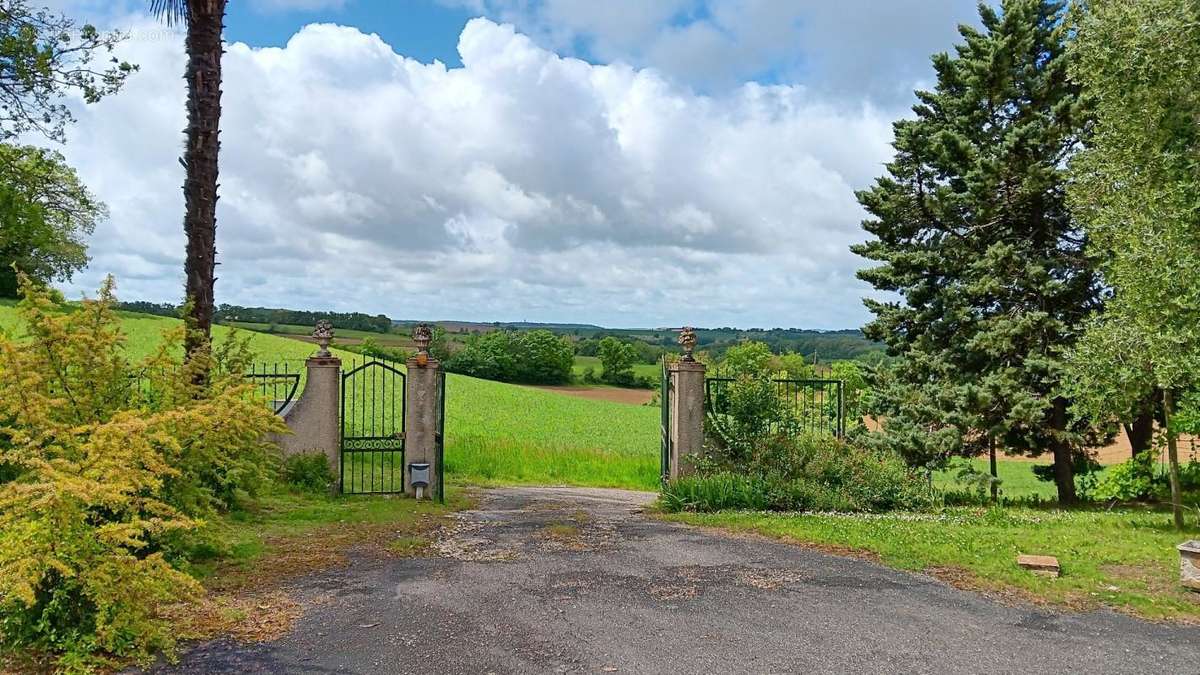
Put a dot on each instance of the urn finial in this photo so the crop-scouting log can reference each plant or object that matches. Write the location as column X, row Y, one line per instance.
column 422, row 335
column 687, row 340
column 323, row 334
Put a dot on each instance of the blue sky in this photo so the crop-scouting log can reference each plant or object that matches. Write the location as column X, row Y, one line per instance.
column 423, row 29
column 624, row 163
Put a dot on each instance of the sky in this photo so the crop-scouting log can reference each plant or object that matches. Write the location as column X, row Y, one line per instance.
column 624, row 163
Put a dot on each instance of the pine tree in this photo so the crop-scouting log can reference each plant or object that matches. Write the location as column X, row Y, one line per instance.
column 972, row 232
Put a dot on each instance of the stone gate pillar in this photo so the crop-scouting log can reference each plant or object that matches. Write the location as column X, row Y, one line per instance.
column 314, row 419
column 421, row 408
column 687, row 408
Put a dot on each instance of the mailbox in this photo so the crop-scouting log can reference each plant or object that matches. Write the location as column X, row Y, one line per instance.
column 418, row 477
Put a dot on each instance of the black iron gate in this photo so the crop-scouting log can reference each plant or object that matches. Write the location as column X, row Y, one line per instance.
column 372, row 445
column 665, row 400
column 440, row 439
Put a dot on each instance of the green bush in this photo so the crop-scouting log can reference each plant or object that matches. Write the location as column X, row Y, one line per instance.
column 108, row 465
column 1130, row 480
column 309, row 473
column 801, row 473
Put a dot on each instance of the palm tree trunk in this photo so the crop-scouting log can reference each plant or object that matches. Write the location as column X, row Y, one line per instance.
column 206, row 19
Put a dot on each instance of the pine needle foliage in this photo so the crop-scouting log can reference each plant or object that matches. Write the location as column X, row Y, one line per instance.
column 972, row 234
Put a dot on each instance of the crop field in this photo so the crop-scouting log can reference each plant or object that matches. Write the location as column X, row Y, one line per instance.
column 495, row 432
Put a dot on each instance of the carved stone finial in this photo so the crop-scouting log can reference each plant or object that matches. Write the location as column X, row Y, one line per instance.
column 323, row 334
column 422, row 335
column 687, row 340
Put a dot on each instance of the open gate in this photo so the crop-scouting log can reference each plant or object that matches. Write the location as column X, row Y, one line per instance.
column 372, row 436
column 440, row 439
column 665, row 401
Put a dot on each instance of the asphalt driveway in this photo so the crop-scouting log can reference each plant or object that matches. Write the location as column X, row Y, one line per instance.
column 577, row 580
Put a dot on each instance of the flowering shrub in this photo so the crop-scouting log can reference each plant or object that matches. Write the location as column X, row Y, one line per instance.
column 104, row 466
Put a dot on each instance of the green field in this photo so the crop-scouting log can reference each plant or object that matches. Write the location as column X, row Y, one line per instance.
column 1017, row 480
column 650, row 370
column 501, row 433
column 495, row 432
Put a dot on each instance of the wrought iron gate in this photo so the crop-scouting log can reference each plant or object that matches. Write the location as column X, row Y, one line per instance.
column 665, row 400
column 440, row 438
column 372, row 437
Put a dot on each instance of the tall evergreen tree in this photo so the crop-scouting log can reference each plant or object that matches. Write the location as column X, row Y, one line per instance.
column 972, row 232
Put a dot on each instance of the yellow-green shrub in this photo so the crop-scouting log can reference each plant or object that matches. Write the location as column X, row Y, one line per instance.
column 104, row 463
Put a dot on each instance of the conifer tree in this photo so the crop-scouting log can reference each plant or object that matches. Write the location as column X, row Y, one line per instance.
column 972, row 233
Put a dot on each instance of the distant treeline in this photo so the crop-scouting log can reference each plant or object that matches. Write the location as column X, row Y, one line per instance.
column 825, row 346
column 225, row 313
column 650, row 344
column 155, row 308
column 379, row 323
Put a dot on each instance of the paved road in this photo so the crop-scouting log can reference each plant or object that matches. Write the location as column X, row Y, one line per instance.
column 571, row 580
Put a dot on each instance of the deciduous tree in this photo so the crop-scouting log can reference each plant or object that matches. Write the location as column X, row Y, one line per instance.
column 1137, row 189
column 46, row 215
column 44, row 57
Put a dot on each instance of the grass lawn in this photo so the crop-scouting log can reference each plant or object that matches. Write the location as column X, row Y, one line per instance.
column 495, row 432
column 1017, row 480
column 1124, row 559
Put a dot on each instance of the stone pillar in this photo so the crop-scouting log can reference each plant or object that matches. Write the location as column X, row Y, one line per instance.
column 421, row 420
column 687, row 415
column 314, row 419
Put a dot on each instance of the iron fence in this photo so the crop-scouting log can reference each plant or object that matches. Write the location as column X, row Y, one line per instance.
column 814, row 405
column 277, row 383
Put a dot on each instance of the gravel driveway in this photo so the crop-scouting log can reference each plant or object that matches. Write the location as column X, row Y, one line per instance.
column 576, row 580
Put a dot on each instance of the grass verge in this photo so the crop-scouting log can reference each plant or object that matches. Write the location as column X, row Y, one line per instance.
column 1122, row 559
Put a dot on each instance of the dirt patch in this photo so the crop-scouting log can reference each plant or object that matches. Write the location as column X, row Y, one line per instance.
column 614, row 394
column 293, row 556
column 253, row 617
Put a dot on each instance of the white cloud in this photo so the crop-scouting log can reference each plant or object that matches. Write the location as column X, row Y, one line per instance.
column 520, row 186
column 855, row 49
